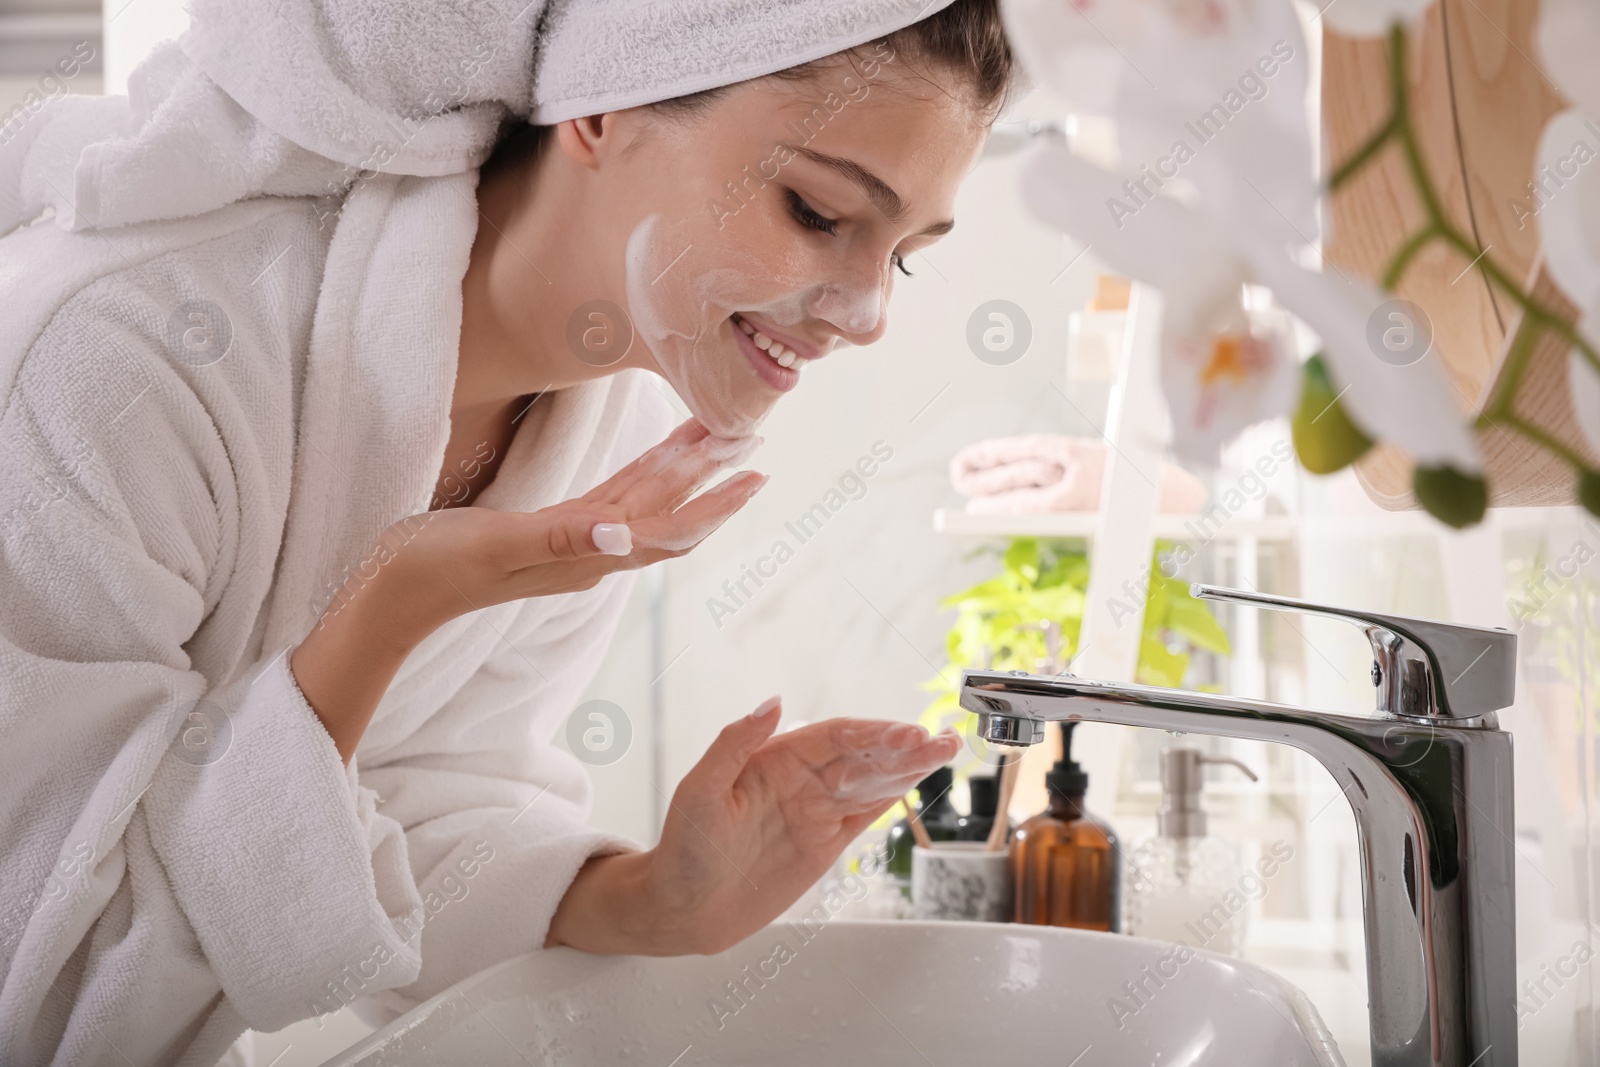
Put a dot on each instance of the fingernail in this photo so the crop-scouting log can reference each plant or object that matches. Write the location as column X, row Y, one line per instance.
column 768, row 706
column 612, row 538
column 762, row 484
column 906, row 737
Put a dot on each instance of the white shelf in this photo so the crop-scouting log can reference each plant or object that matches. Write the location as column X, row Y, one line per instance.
column 1081, row 524
column 1194, row 528
column 51, row 26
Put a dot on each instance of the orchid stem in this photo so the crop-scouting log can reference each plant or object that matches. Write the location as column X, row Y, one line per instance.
column 1504, row 399
column 1358, row 162
column 1406, row 253
column 1543, row 439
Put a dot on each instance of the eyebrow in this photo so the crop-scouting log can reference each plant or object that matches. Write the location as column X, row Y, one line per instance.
column 875, row 189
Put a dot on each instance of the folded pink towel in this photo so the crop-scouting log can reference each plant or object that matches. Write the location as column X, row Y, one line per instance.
column 1052, row 472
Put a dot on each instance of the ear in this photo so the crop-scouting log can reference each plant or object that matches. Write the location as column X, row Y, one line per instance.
column 587, row 141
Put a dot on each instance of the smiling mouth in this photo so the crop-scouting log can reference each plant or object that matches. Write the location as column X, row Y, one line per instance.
column 777, row 352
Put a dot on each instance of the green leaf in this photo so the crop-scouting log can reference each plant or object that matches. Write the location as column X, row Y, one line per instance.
column 1022, row 558
column 1192, row 620
column 933, row 716
column 1047, row 579
column 993, row 590
column 1589, row 491
column 1453, row 498
column 1159, row 665
column 1157, row 604
column 1325, row 438
column 1059, row 603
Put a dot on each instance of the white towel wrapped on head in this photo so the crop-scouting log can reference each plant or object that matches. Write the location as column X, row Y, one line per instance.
column 301, row 97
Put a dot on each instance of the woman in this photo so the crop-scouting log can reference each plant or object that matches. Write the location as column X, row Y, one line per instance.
column 265, row 715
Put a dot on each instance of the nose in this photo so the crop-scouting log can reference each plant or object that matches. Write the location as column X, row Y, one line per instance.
column 856, row 306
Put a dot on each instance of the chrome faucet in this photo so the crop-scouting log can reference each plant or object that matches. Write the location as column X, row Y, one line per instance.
column 1429, row 778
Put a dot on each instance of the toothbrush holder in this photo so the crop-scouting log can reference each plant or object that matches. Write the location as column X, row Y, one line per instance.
column 959, row 880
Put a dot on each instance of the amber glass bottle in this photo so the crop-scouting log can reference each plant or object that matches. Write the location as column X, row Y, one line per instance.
column 1066, row 865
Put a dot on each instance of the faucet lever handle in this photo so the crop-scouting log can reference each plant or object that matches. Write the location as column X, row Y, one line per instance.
column 1423, row 669
column 1229, row 761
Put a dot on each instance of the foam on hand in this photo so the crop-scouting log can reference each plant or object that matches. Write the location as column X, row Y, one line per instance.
column 897, row 758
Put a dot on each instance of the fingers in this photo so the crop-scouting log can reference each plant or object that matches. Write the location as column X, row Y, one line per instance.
column 854, row 826
column 674, row 476
column 862, row 763
column 670, row 472
column 824, row 742
column 558, row 534
column 610, row 491
column 575, row 531
column 872, row 776
column 725, row 760
column 686, row 527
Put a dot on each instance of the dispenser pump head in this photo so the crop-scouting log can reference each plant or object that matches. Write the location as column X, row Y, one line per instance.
column 1067, row 778
column 1182, row 778
column 984, row 795
column 933, row 792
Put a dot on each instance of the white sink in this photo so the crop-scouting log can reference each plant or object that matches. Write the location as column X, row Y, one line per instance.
column 868, row 992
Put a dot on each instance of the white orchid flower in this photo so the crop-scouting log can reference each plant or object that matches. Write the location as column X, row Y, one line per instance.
column 1225, row 364
column 1370, row 18
column 1564, row 192
column 1200, row 264
column 1567, row 35
column 1565, row 195
column 1208, row 96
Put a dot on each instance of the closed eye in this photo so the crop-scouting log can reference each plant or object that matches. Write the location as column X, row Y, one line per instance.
column 807, row 216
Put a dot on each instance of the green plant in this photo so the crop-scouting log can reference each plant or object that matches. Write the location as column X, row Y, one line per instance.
column 1046, row 579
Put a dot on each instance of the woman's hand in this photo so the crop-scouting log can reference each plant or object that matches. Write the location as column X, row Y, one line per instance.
column 756, row 822
column 447, row 563
column 430, row 568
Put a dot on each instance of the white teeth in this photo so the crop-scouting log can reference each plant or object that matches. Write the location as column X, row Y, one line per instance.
column 782, row 356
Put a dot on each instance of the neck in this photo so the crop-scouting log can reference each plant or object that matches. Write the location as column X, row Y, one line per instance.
column 523, row 279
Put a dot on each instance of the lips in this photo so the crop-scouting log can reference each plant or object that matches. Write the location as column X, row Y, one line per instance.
column 769, row 370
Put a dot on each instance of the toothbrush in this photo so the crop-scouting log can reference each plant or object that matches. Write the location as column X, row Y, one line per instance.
column 1009, row 772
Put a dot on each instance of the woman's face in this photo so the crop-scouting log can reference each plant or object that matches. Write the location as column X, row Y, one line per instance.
column 782, row 210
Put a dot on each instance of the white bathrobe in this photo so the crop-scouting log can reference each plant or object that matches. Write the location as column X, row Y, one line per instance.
column 182, row 854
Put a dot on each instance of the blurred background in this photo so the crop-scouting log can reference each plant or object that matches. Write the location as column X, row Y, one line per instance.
column 851, row 622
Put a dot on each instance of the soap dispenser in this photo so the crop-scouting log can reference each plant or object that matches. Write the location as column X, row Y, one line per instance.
column 939, row 817
column 1184, row 884
column 1066, row 864
column 983, row 792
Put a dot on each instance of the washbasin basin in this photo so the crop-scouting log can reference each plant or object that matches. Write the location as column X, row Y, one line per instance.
column 869, row 992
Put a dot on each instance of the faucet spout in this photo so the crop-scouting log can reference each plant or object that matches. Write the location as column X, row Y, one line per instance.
column 1432, row 797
